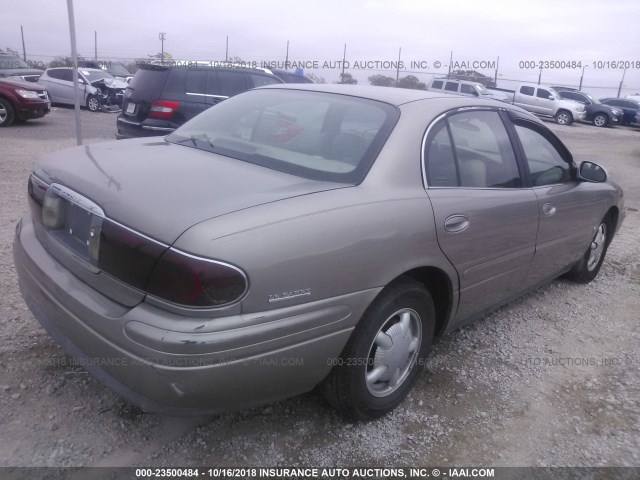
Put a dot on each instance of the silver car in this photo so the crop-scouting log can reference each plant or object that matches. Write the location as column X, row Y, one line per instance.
column 96, row 87
column 295, row 236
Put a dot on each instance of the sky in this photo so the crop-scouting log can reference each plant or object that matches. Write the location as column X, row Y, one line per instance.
column 588, row 38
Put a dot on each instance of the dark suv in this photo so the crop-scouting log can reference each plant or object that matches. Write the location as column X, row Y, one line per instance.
column 597, row 113
column 161, row 98
column 14, row 66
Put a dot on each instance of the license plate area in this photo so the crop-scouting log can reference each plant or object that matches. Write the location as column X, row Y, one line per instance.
column 74, row 221
column 131, row 109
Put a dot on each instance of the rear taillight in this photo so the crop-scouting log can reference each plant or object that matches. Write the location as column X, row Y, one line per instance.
column 163, row 108
column 195, row 281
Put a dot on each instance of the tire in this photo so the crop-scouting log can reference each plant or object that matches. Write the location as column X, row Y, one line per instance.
column 366, row 383
column 563, row 117
column 601, row 120
column 93, row 103
column 7, row 114
column 589, row 265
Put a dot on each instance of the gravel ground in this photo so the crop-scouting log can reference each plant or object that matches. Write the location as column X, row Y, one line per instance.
column 549, row 380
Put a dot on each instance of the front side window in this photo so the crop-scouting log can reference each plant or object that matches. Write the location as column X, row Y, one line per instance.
column 314, row 135
column 542, row 93
column 468, row 89
column 546, row 165
column 471, row 149
column 437, row 84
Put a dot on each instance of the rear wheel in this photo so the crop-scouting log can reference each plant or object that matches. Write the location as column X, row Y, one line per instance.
column 7, row 114
column 601, row 120
column 589, row 265
column 564, row 117
column 93, row 103
column 385, row 353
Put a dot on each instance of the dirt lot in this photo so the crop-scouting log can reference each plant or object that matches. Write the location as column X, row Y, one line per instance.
column 550, row 380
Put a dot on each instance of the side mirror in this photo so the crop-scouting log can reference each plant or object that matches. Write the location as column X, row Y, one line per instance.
column 551, row 97
column 592, row 172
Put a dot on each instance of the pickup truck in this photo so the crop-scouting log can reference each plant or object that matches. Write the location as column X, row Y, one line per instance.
column 546, row 102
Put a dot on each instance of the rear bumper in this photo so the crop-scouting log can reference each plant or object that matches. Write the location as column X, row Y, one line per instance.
column 128, row 128
column 200, row 365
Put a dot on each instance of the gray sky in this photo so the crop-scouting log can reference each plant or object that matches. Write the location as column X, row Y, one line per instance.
column 587, row 31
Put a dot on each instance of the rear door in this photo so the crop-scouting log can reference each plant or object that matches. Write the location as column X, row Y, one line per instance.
column 486, row 221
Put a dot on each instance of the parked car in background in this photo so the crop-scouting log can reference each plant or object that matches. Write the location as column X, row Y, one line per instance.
column 14, row 66
column 546, row 102
column 597, row 113
column 464, row 87
column 291, row 77
column 22, row 100
column 161, row 98
column 301, row 235
column 635, row 96
column 630, row 109
column 96, row 87
column 115, row 69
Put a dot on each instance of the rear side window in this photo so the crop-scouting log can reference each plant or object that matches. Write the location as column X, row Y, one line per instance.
column 195, row 81
column 232, row 83
column 527, row 90
column 61, row 74
column 451, row 86
column 262, row 80
column 437, row 84
column 314, row 135
column 472, row 150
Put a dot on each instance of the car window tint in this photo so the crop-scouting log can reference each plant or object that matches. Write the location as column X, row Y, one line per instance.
column 468, row 89
column 451, row 86
column 261, row 80
column 195, row 81
column 527, row 90
column 542, row 93
column 483, row 150
column 313, row 135
column 440, row 161
column 66, row 74
column 57, row 74
column 232, row 83
column 437, row 84
column 175, row 84
column 546, row 165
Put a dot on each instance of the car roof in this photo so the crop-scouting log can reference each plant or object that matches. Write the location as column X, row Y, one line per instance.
column 391, row 95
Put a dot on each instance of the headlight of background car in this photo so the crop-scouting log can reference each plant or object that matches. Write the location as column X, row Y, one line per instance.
column 27, row 93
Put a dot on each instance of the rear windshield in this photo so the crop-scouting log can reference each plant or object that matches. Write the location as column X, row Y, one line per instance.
column 147, row 83
column 320, row 136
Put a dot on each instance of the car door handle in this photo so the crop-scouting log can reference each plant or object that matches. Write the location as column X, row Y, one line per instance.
column 549, row 209
column 456, row 223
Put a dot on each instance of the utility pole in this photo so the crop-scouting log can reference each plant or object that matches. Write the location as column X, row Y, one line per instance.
column 540, row 76
column 582, row 76
column 620, row 87
column 74, row 56
column 226, row 52
column 344, row 59
column 398, row 68
column 286, row 58
column 450, row 63
column 495, row 77
column 161, row 36
column 95, row 43
column 24, row 51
